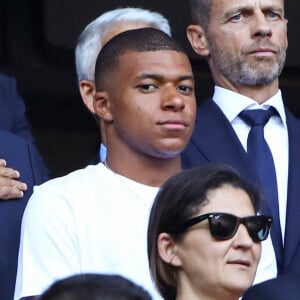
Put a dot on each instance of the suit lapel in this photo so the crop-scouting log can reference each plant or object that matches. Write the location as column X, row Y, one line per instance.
column 292, row 232
column 215, row 138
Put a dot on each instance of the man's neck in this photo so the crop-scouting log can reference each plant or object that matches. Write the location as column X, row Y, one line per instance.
column 149, row 171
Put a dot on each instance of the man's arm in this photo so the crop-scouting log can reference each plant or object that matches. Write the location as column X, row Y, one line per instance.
column 16, row 105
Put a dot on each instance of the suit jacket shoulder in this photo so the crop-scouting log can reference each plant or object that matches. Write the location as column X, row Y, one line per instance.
column 281, row 288
column 13, row 112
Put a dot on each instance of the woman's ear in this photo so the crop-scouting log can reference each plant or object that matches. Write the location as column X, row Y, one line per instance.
column 87, row 91
column 102, row 106
column 167, row 250
column 197, row 38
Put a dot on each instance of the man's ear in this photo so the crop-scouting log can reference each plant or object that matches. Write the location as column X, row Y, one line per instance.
column 167, row 250
column 102, row 106
column 87, row 91
column 198, row 40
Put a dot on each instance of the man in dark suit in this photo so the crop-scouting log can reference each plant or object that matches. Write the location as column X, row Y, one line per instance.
column 244, row 43
column 21, row 155
column 285, row 287
column 13, row 119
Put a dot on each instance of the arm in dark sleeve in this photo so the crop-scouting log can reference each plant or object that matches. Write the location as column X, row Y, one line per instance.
column 20, row 124
column 13, row 111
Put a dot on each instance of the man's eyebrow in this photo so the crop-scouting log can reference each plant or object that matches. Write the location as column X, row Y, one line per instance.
column 248, row 8
column 160, row 77
column 186, row 77
column 238, row 8
column 276, row 8
column 150, row 76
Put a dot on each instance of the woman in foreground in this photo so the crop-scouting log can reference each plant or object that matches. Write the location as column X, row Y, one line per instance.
column 204, row 235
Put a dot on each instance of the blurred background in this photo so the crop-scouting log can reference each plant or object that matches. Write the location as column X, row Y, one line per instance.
column 37, row 39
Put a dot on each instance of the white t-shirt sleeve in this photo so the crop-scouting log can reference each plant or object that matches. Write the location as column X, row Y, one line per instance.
column 48, row 248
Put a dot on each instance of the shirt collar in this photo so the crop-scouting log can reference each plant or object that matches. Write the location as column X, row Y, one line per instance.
column 232, row 103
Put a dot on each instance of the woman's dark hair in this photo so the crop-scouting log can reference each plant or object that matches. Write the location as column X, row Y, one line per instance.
column 179, row 199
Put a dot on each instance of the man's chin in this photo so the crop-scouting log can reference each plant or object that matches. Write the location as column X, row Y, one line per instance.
column 169, row 154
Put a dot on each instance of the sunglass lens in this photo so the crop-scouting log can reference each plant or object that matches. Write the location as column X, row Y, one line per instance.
column 258, row 227
column 223, row 226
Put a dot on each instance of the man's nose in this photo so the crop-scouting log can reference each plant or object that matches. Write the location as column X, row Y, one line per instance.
column 172, row 99
column 261, row 26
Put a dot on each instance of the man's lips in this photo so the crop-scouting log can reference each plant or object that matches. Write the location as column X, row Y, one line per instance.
column 263, row 52
column 173, row 124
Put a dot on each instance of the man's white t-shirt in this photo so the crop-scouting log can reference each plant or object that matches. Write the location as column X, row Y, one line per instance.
column 91, row 220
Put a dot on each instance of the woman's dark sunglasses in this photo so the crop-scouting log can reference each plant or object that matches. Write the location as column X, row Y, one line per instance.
column 223, row 226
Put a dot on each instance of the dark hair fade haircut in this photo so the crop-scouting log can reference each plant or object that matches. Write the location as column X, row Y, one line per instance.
column 90, row 286
column 136, row 40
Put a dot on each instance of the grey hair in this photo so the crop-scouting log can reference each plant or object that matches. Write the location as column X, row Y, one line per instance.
column 90, row 40
column 200, row 12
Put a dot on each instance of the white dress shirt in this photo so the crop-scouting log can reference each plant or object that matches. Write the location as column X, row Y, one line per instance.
column 275, row 130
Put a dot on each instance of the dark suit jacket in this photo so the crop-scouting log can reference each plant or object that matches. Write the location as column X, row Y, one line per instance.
column 20, row 155
column 286, row 287
column 214, row 140
column 12, row 109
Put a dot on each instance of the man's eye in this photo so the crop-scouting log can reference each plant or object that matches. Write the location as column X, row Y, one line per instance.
column 273, row 15
column 147, row 87
column 186, row 89
column 236, row 17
